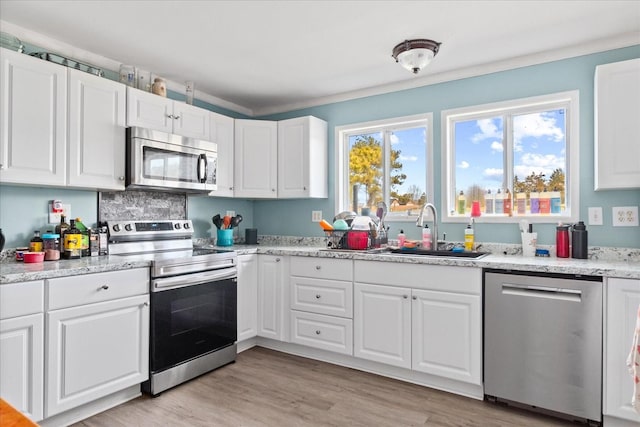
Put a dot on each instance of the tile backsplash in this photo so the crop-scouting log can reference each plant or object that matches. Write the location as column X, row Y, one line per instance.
column 141, row 205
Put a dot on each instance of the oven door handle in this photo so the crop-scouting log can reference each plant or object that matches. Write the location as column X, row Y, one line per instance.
column 165, row 284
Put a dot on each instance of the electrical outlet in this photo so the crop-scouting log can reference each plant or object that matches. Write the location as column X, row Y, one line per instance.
column 316, row 216
column 625, row 216
column 231, row 213
column 595, row 216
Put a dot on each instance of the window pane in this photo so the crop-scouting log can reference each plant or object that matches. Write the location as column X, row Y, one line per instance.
column 408, row 170
column 479, row 163
column 539, row 162
column 365, row 171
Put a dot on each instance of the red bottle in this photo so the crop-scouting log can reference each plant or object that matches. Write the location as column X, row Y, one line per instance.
column 562, row 241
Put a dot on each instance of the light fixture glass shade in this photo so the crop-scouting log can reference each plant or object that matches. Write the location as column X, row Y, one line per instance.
column 414, row 55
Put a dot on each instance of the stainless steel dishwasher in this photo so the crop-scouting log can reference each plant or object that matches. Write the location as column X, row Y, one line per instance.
column 543, row 342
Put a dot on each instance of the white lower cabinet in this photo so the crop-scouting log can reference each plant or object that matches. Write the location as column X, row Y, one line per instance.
column 247, row 296
column 97, row 337
column 22, row 347
column 431, row 324
column 273, row 310
column 623, row 301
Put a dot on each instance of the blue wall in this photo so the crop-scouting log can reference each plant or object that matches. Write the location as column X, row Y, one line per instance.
column 24, row 209
column 570, row 74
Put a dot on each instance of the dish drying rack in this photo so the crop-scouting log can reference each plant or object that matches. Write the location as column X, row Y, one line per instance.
column 355, row 239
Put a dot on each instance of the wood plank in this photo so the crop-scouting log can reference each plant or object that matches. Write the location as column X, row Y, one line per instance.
column 269, row 388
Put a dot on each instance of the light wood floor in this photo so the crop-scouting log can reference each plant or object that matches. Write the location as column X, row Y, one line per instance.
column 269, row 388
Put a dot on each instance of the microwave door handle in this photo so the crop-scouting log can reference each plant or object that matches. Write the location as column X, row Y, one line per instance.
column 202, row 168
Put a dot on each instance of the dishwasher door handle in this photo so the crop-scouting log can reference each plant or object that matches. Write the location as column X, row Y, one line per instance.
column 563, row 294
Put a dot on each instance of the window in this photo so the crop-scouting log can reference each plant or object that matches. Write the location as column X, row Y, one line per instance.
column 385, row 161
column 516, row 159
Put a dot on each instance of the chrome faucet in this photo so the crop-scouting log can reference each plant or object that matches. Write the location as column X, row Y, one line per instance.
column 420, row 224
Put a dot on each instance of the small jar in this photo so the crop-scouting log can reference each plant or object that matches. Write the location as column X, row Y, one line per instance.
column 51, row 246
column 20, row 253
column 159, row 87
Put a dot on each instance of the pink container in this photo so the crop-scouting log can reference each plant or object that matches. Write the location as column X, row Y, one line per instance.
column 358, row 239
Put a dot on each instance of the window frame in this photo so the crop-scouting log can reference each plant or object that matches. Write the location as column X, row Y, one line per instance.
column 342, row 134
column 569, row 100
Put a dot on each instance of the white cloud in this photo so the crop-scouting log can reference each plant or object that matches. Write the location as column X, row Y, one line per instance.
column 493, row 174
column 535, row 125
column 497, row 147
column 538, row 163
column 463, row 165
column 408, row 158
column 488, row 129
column 394, row 139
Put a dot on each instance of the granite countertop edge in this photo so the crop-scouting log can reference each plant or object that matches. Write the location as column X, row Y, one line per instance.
column 14, row 272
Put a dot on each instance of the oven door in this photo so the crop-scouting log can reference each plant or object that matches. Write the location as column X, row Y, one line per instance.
column 179, row 163
column 192, row 315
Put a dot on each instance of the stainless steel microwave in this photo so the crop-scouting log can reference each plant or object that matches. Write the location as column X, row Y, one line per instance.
column 162, row 161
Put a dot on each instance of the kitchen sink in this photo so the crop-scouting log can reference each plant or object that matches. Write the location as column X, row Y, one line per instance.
column 440, row 253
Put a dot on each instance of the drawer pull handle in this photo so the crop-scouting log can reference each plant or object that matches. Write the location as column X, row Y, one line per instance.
column 105, row 287
column 318, row 332
column 318, row 267
column 414, row 297
column 318, row 296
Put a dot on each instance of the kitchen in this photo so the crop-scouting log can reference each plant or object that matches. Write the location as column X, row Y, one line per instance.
column 23, row 207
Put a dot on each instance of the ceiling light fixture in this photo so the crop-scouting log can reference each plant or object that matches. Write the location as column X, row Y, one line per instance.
column 416, row 54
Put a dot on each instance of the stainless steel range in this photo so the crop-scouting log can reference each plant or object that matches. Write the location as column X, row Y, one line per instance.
column 193, row 299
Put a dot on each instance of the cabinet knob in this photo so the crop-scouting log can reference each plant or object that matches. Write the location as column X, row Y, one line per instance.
column 317, row 332
column 121, row 178
column 318, row 267
column 170, row 116
column 176, row 117
column 318, row 296
column 273, row 189
column 230, row 188
column 304, row 188
column 405, row 296
column 277, row 259
column 414, row 297
column 146, row 304
column 105, row 287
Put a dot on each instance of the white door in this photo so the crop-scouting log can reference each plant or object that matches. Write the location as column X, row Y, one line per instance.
column 190, row 121
column 147, row 110
column 623, row 301
column 382, row 324
column 272, row 299
column 247, row 296
column 447, row 333
column 96, row 132
column 293, row 158
column 22, row 363
column 222, row 134
column 33, row 120
column 256, row 162
column 95, row 350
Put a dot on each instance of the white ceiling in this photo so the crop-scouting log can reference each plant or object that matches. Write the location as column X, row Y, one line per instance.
column 260, row 57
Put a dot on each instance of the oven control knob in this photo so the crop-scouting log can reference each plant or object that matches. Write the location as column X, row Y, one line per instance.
column 177, row 226
column 186, row 226
column 116, row 228
column 128, row 227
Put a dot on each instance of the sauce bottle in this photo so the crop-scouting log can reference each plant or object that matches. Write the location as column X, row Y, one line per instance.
column 72, row 242
column 85, row 237
column 36, row 243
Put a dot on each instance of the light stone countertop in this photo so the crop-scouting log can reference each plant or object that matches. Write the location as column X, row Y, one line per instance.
column 13, row 272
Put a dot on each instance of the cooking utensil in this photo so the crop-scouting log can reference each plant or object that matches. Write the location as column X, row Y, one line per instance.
column 236, row 220
column 226, row 222
column 217, row 221
column 381, row 213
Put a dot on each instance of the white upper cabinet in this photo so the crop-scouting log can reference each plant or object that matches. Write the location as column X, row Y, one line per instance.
column 145, row 109
column 256, row 158
column 302, row 158
column 222, row 134
column 33, row 127
column 96, row 132
column 617, row 135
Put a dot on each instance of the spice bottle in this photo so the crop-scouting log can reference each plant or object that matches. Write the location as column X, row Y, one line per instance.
column 35, row 244
column 579, row 241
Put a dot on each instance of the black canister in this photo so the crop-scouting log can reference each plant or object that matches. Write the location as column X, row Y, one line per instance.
column 251, row 236
column 579, row 241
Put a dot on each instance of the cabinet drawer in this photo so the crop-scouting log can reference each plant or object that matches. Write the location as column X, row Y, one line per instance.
column 323, row 332
column 98, row 287
column 21, row 299
column 322, row 296
column 322, row 268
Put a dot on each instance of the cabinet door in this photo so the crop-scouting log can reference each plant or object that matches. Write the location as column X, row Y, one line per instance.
column 302, row 158
column 617, row 108
column 623, row 300
column 96, row 132
column 247, row 296
column 190, row 121
column 382, row 324
column 273, row 307
column 447, row 333
column 256, row 151
column 22, row 364
column 33, row 120
column 95, row 350
column 222, row 134
column 147, row 110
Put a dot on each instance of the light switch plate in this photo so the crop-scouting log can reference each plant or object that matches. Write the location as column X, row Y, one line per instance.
column 625, row 216
column 595, row 216
column 231, row 213
column 316, row 216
